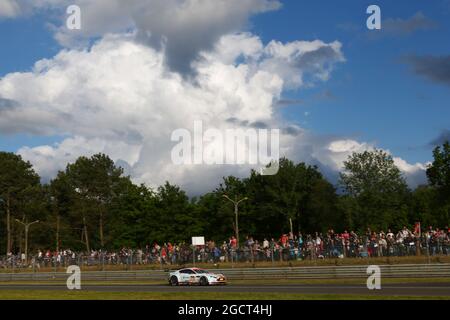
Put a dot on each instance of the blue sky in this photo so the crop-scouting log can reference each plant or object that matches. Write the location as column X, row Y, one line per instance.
column 375, row 96
column 25, row 40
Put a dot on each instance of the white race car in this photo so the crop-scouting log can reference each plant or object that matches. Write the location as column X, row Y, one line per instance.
column 195, row 276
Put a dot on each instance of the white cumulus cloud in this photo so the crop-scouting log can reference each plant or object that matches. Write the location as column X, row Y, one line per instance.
column 183, row 28
column 9, row 8
column 119, row 97
column 158, row 66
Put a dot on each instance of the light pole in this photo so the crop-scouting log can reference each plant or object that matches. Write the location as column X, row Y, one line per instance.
column 236, row 203
column 27, row 227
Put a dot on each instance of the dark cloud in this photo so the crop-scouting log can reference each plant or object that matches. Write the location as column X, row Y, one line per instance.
column 325, row 95
column 185, row 28
column 259, row 125
column 6, row 104
column 289, row 102
column 441, row 139
column 238, row 122
column 232, row 120
column 129, row 135
column 289, row 130
column 435, row 68
column 311, row 60
column 245, row 123
column 292, row 131
column 397, row 27
column 401, row 27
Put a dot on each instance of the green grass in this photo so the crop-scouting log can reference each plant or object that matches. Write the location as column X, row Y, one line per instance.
column 339, row 281
column 83, row 295
column 91, row 295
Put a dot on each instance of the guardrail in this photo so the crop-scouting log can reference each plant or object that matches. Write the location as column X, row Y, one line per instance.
column 334, row 272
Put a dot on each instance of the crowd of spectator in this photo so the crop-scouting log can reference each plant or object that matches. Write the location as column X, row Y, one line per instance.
column 285, row 248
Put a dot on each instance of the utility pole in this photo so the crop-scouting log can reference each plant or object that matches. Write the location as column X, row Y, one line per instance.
column 236, row 203
column 27, row 227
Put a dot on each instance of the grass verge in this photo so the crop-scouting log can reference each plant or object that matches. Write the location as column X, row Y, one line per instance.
column 82, row 295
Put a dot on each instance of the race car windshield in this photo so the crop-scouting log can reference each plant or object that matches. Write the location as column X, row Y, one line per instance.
column 201, row 271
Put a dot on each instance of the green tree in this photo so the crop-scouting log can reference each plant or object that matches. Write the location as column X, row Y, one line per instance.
column 33, row 207
column 423, row 206
column 217, row 216
column 93, row 183
column 377, row 184
column 134, row 217
column 438, row 174
column 176, row 218
column 297, row 193
column 323, row 211
column 16, row 177
column 234, row 189
column 439, row 171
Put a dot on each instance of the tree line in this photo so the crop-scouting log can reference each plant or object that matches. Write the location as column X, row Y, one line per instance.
column 92, row 204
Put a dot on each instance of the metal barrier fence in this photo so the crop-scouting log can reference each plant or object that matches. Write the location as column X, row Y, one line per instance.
column 335, row 272
column 135, row 257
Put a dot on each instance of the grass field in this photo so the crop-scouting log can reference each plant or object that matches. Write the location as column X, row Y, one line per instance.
column 70, row 295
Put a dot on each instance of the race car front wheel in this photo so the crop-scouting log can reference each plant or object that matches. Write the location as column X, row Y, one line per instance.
column 173, row 281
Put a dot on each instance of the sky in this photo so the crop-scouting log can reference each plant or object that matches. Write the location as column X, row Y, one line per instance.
column 137, row 71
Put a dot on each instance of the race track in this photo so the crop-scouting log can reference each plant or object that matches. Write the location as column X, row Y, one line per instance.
column 416, row 289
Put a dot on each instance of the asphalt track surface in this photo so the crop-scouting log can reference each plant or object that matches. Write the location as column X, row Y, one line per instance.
column 406, row 289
